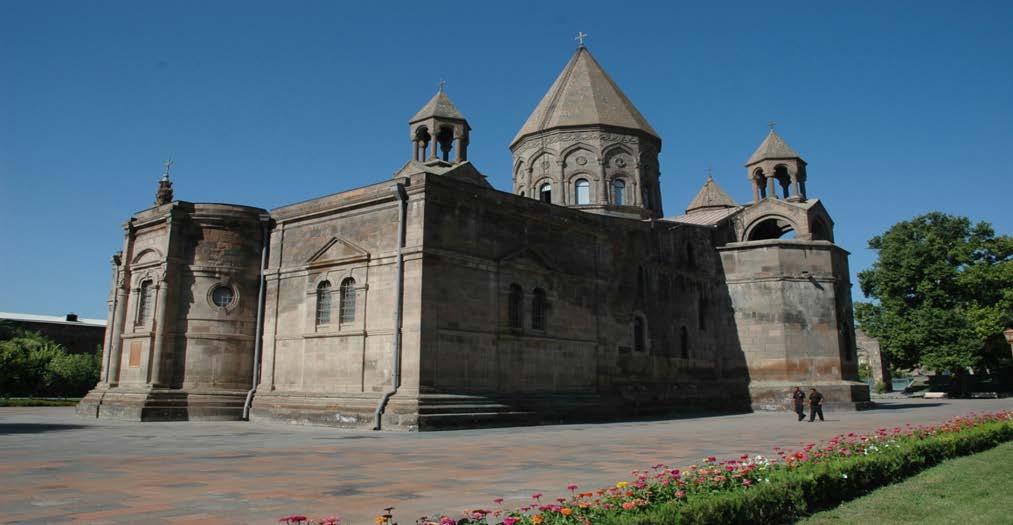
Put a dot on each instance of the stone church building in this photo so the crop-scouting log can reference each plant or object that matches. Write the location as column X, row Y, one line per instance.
column 433, row 300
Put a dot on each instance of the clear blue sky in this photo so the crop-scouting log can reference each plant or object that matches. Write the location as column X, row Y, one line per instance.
column 900, row 108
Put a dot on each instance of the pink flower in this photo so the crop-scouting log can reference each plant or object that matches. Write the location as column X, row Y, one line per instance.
column 510, row 520
column 498, row 501
column 536, row 495
column 571, row 487
column 444, row 520
column 711, row 459
column 330, row 520
column 295, row 518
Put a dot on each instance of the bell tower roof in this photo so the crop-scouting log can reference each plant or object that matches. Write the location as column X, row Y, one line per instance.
column 584, row 94
column 439, row 106
column 773, row 147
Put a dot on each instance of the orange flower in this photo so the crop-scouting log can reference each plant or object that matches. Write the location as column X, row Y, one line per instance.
column 537, row 519
column 380, row 520
column 566, row 511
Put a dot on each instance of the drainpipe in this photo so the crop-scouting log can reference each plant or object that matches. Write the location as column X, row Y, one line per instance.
column 395, row 376
column 257, row 342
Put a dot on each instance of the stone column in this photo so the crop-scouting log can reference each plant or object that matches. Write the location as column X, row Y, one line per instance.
column 415, row 149
column 604, row 195
column 756, row 190
column 161, row 317
column 771, row 188
column 120, row 315
column 794, row 185
column 110, row 316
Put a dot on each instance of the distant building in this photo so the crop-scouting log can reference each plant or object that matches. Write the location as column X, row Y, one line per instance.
column 433, row 300
column 77, row 335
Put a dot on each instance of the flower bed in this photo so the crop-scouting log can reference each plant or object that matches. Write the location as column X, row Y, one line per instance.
column 776, row 489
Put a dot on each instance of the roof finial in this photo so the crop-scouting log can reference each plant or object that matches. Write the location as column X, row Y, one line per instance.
column 164, row 193
column 709, row 173
column 580, row 38
column 168, row 165
column 443, row 84
column 771, row 124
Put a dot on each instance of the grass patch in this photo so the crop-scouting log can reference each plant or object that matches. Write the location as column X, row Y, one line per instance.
column 972, row 489
column 39, row 401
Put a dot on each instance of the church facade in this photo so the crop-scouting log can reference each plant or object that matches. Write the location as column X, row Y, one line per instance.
column 432, row 300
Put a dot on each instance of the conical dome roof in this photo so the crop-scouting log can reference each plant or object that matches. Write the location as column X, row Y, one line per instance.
column 773, row 147
column 710, row 196
column 584, row 94
column 438, row 106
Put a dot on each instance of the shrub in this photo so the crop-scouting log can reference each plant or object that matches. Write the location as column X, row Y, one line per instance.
column 33, row 365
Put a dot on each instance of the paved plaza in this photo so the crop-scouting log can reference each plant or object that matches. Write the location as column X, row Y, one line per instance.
column 56, row 467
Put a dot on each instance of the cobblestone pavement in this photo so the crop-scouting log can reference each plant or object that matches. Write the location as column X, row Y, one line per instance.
column 56, row 467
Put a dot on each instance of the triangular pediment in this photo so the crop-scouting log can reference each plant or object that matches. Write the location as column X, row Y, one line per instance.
column 528, row 256
column 337, row 250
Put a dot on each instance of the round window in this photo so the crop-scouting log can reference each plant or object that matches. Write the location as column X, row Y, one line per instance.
column 222, row 296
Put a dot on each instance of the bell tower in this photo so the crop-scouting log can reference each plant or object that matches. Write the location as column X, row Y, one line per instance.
column 439, row 129
column 776, row 166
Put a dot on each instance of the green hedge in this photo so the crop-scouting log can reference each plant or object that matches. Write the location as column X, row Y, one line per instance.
column 791, row 494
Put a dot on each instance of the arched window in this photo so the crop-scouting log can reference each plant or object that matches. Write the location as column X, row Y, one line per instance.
column 618, row 192
column 639, row 337
column 522, row 193
column 582, row 192
column 324, row 303
column 538, row 309
column 771, row 228
column 515, row 314
column 684, row 343
column 145, row 304
column 545, row 192
column 347, row 300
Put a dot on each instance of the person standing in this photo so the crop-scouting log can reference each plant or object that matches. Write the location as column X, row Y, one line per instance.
column 815, row 405
column 798, row 397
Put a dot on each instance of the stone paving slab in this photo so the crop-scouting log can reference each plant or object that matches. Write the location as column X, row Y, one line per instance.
column 56, row 467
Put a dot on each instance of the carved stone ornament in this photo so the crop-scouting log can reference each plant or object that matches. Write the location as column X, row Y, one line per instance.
column 581, row 160
column 579, row 136
column 620, row 162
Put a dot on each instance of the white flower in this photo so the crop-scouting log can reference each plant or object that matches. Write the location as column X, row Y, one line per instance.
column 845, row 476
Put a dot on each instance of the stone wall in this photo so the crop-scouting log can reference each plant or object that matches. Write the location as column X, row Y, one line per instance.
column 599, row 274
column 792, row 309
column 335, row 371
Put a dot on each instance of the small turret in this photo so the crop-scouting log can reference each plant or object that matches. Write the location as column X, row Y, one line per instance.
column 439, row 128
column 164, row 193
column 775, row 164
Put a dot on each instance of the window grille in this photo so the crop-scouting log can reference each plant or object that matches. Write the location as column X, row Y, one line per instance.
column 324, row 303
column 348, row 300
column 538, row 310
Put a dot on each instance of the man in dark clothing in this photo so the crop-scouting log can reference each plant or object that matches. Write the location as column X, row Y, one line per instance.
column 815, row 405
column 798, row 397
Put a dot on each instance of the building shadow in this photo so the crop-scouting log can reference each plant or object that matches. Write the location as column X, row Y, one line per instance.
column 35, row 428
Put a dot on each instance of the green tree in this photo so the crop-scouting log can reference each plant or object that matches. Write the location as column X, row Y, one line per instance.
column 943, row 291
